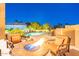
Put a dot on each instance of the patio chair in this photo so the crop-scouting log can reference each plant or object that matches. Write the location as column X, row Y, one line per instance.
column 60, row 46
column 10, row 44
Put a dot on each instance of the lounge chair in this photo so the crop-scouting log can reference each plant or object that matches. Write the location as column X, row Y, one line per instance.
column 60, row 46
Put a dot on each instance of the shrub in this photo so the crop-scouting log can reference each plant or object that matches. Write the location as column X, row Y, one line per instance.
column 17, row 31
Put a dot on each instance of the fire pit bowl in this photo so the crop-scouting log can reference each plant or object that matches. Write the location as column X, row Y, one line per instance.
column 31, row 47
column 34, row 46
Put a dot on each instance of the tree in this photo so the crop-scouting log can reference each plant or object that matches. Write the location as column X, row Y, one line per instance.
column 16, row 21
column 10, row 29
column 35, row 25
column 17, row 31
column 40, row 27
column 28, row 23
column 46, row 26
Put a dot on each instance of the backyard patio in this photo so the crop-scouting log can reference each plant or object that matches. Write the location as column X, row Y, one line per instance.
column 43, row 45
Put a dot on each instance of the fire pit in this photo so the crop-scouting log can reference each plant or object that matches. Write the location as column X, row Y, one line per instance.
column 35, row 46
column 30, row 47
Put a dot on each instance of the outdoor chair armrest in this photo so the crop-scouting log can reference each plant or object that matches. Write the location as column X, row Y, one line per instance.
column 62, row 46
column 51, row 40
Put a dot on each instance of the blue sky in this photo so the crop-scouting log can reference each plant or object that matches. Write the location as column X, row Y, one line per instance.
column 52, row 13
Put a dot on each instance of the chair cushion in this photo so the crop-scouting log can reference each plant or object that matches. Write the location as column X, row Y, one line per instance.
column 16, row 38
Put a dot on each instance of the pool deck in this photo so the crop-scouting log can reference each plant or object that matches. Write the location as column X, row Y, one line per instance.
column 72, row 52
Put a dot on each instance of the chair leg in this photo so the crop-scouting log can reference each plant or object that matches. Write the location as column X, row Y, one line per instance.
column 64, row 54
column 45, row 53
column 12, row 46
column 10, row 52
column 53, row 54
column 0, row 52
column 7, row 45
column 58, row 54
column 68, row 50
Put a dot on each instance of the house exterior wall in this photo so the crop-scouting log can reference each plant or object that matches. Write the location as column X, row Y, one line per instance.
column 2, row 20
column 58, row 31
column 15, row 26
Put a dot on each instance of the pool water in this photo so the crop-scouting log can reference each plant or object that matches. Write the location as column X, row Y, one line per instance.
column 34, row 33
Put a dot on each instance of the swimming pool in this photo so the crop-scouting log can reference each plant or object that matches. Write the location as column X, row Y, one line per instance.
column 34, row 34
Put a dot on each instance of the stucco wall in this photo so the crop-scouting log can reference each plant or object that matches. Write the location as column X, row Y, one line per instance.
column 68, row 32
column 77, row 38
column 71, row 33
column 2, row 20
column 58, row 31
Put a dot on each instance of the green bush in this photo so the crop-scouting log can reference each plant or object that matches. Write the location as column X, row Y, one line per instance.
column 17, row 31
